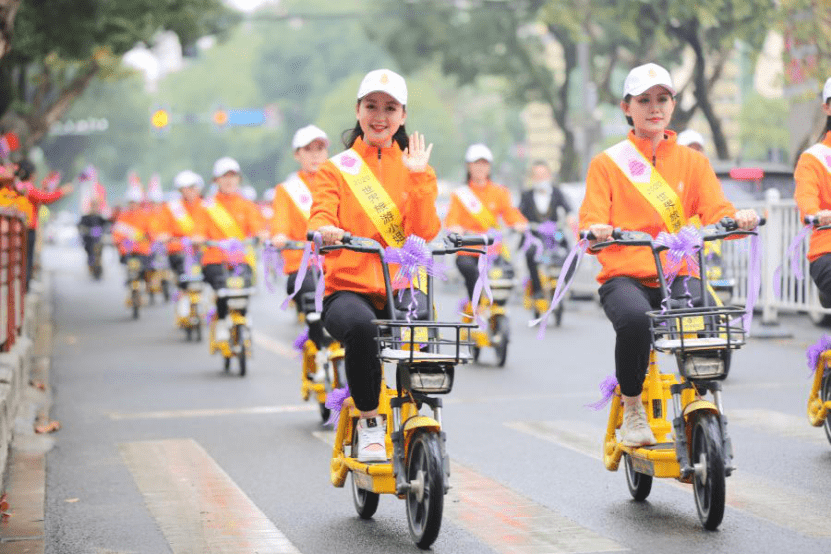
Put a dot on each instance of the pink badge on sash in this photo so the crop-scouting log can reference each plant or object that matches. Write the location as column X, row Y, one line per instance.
column 636, row 167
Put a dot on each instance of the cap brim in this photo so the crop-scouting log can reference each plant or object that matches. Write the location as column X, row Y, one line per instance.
column 640, row 90
column 403, row 102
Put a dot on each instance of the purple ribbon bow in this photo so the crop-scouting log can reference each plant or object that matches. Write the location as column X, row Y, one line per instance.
column 189, row 258
column 563, row 284
column 532, row 240
column 412, row 257
column 235, row 251
column 301, row 339
column 334, row 401
column 607, row 391
column 682, row 248
column 815, row 351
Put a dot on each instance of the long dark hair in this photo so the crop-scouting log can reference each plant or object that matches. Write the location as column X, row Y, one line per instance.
column 827, row 124
column 349, row 136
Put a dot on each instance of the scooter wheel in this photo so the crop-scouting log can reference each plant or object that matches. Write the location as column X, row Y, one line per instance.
column 825, row 394
column 227, row 364
column 502, row 328
column 640, row 484
column 198, row 332
column 324, row 412
column 136, row 301
column 366, row 503
column 188, row 334
column 707, row 455
column 242, row 357
column 558, row 315
column 425, row 499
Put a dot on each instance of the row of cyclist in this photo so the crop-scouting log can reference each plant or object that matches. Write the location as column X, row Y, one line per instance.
column 373, row 218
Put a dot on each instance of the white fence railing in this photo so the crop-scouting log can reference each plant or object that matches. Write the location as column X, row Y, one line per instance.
column 783, row 224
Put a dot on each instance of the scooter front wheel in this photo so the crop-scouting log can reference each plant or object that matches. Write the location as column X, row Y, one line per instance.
column 242, row 356
column 825, row 394
column 640, row 484
column 707, row 455
column 366, row 502
column 425, row 498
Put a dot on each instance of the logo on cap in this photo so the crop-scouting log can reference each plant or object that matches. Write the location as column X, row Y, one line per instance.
column 384, row 79
column 652, row 73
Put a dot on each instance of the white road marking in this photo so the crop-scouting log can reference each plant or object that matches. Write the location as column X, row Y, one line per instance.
column 214, row 412
column 507, row 521
column 778, row 423
column 274, row 346
column 781, row 505
column 196, row 504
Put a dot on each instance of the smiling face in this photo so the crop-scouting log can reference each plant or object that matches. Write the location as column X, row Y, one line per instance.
column 312, row 156
column 479, row 170
column 229, row 182
column 650, row 111
column 380, row 115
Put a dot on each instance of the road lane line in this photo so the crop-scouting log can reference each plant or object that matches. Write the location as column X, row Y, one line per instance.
column 274, row 346
column 196, row 504
column 507, row 521
column 785, row 506
column 779, row 423
column 214, row 412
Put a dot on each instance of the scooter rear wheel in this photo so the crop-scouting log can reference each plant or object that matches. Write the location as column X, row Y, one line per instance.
column 502, row 328
column 825, row 394
column 707, row 455
column 640, row 484
column 366, row 502
column 425, row 499
column 136, row 301
column 242, row 356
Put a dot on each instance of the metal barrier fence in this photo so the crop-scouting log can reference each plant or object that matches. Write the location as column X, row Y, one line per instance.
column 12, row 276
column 783, row 224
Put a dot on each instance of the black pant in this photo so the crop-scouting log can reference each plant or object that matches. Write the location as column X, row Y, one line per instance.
column 533, row 269
column 216, row 274
column 348, row 317
column 177, row 265
column 626, row 301
column 820, row 270
column 469, row 268
column 306, row 287
column 31, row 234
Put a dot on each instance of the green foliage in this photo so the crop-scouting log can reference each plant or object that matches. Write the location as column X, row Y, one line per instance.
column 764, row 127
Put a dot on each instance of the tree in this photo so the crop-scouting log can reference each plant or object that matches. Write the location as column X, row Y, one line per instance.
column 59, row 47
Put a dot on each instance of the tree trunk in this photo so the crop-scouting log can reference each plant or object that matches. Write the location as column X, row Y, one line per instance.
column 569, row 159
column 8, row 11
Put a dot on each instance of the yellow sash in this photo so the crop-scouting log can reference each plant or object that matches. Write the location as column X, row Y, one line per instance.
column 229, row 227
column 124, row 228
column 375, row 201
column 822, row 153
column 299, row 194
column 649, row 183
column 182, row 217
column 474, row 206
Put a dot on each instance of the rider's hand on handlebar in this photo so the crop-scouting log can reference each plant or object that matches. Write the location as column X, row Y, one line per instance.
column 279, row 240
column 456, row 229
column 823, row 218
column 746, row 219
column 601, row 231
column 330, row 235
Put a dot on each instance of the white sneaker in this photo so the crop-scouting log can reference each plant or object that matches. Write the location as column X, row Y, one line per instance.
column 222, row 330
column 371, row 434
column 635, row 430
column 183, row 306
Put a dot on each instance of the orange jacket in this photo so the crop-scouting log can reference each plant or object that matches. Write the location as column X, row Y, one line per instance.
column 166, row 223
column 612, row 199
column 138, row 220
column 812, row 194
column 290, row 221
column 334, row 204
column 245, row 213
column 496, row 198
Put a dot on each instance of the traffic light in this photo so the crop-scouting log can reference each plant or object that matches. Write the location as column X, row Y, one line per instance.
column 220, row 118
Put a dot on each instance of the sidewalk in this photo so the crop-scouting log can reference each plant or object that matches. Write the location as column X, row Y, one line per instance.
column 22, row 530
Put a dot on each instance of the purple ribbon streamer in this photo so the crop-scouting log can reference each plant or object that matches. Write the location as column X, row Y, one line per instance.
column 210, row 315
column 607, row 391
column 157, row 249
column 317, row 260
column 795, row 266
column 681, row 248
column 301, row 339
column 574, row 257
column 482, row 284
column 754, row 280
column 273, row 259
column 334, row 401
column 189, row 257
column 815, row 351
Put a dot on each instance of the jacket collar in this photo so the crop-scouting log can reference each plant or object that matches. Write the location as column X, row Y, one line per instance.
column 827, row 140
column 367, row 151
column 644, row 145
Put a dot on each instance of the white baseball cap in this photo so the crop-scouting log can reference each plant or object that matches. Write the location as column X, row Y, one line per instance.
column 646, row 76
column 307, row 135
column 134, row 194
column 384, row 80
column 188, row 178
column 826, row 91
column 478, row 152
column 224, row 165
column 689, row 136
